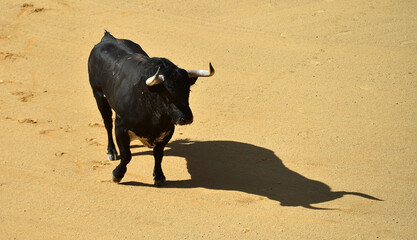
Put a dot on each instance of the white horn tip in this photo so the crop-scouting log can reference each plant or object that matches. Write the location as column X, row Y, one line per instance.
column 155, row 79
column 201, row 73
column 212, row 71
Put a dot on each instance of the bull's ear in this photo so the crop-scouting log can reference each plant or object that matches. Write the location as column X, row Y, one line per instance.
column 192, row 80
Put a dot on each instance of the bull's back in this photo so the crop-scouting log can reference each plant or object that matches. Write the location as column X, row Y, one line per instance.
column 104, row 57
column 112, row 49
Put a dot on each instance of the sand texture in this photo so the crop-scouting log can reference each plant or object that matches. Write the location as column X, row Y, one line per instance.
column 308, row 129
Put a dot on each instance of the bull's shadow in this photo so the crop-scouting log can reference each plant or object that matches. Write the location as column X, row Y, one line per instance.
column 229, row 165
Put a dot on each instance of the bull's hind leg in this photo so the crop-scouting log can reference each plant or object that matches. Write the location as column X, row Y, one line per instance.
column 106, row 113
column 123, row 141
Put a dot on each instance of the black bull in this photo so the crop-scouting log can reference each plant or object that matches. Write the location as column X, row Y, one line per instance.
column 148, row 95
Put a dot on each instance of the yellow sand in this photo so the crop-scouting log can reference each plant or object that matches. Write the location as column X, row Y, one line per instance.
column 312, row 107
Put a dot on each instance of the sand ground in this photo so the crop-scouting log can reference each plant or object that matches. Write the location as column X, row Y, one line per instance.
column 306, row 131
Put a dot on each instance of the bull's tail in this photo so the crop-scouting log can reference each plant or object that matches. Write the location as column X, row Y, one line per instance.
column 107, row 36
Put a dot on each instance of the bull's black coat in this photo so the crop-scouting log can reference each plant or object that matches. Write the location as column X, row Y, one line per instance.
column 118, row 70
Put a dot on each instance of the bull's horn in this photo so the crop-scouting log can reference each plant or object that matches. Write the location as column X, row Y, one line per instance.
column 155, row 79
column 201, row 73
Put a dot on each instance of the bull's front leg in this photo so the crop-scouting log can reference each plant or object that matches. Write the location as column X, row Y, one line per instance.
column 123, row 142
column 158, row 175
column 158, row 153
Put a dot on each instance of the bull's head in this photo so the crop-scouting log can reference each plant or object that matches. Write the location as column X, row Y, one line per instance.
column 177, row 86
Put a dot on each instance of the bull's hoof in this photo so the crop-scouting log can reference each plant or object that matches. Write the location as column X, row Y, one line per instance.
column 112, row 154
column 115, row 179
column 160, row 183
column 112, row 157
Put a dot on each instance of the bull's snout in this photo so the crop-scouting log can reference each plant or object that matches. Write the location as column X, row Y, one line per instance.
column 184, row 121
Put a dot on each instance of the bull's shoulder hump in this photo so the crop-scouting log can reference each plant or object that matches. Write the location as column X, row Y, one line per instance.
column 131, row 47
